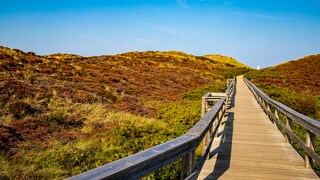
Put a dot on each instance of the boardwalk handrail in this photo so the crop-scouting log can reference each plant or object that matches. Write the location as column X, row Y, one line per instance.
column 143, row 163
column 312, row 126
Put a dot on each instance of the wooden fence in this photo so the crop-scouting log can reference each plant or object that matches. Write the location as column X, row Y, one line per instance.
column 143, row 163
column 278, row 112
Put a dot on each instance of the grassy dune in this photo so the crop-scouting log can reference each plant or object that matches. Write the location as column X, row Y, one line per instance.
column 63, row 114
column 294, row 83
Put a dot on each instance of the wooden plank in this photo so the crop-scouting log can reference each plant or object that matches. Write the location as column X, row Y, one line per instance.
column 249, row 146
column 309, row 150
column 187, row 164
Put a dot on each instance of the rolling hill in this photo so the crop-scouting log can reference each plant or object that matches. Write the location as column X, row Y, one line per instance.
column 295, row 83
column 229, row 61
column 63, row 114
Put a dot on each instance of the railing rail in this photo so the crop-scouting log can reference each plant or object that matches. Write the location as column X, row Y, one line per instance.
column 143, row 163
column 312, row 126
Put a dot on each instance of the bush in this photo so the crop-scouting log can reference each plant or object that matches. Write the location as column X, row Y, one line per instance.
column 303, row 103
column 21, row 109
column 181, row 117
column 264, row 73
column 196, row 95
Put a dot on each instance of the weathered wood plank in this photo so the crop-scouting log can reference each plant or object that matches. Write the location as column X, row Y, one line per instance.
column 251, row 147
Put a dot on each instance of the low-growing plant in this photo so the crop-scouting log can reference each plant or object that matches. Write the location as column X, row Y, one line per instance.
column 264, row 73
column 64, row 114
column 303, row 103
column 196, row 95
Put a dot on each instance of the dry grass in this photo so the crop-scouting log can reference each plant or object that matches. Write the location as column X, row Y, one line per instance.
column 63, row 114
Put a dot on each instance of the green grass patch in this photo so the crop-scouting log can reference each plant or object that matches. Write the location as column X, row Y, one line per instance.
column 303, row 103
column 264, row 73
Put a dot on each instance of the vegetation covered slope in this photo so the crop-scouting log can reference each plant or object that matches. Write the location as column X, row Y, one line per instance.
column 294, row 83
column 63, row 114
column 229, row 61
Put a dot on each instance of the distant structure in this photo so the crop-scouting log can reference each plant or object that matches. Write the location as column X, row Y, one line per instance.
column 258, row 67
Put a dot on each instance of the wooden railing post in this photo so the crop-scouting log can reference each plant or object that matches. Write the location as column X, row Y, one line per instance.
column 269, row 111
column 268, row 108
column 203, row 107
column 289, row 126
column 219, row 117
column 263, row 102
column 310, row 142
column 187, row 164
column 205, row 142
column 225, row 106
column 276, row 113
column 258, row 99
column 206, row 138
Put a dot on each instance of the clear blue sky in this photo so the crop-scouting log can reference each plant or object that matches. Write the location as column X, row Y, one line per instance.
column 255, row 32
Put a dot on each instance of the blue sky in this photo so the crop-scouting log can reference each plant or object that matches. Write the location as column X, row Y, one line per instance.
column 255, row 32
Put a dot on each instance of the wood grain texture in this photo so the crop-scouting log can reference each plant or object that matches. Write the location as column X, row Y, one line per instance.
column 249, row 146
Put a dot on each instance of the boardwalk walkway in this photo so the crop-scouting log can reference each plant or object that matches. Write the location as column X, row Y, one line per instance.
column 249, row 146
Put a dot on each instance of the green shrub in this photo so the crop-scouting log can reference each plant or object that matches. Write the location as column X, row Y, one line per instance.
column 304, row 103
column 196, row 95
column 264, row 73
column 181, row 117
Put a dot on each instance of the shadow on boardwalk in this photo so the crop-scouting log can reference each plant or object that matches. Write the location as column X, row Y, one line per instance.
column 223, row 151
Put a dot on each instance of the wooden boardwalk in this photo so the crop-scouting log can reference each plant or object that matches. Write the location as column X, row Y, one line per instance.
column 249, row 146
